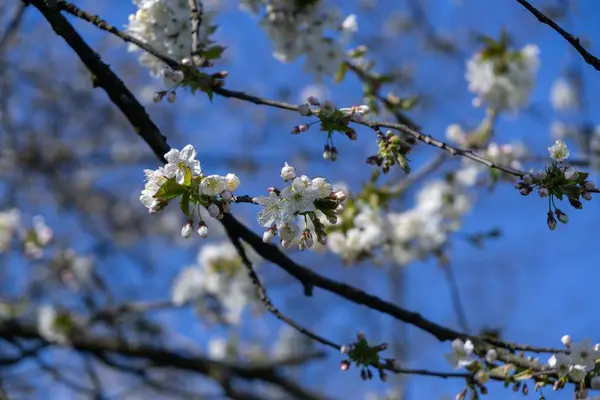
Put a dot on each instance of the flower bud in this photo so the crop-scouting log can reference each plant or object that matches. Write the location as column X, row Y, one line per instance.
column 340, row 195
column 202, row 230
column 525, row 191
column 482, row 377
column 188, row 229
column 528, row 179
column 171, row 97
column 345, row 365
column 288, row 172
column 326, row 155
column 589, row 185
column 562, row 217
column 551, row 221
column 226, row 195
column 286, row 243
column 575, row 203
column 158, row 96
column 543, row 192
column 334, row 154
column 346, row 349
column 382, row 375
column 304, row 110
column 187, row 62
column 491, row 355
column 303, row 127
column 332, row 220
column 269, row 235
column 313, row 101
column 213, row 210
column 586, row 196
column 541, row 175
column 570, row 173
column 566, row 340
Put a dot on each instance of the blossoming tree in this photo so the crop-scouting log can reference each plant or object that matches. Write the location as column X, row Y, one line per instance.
column 343, row 197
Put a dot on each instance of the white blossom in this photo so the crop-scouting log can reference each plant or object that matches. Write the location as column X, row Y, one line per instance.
column 561, row 363
column 165, row 25
column 299, row 196
column 179, row 161
column 288, row 172
column 559, row 151
column 501, row 83
column 461, row 355
column 213, row 185
column 231, row 182
column 303, row 29
column 272, row 212
column 48, row 327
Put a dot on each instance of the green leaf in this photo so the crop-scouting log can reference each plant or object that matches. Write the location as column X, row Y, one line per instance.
column 169, row 190
column 184, row 203
column 209, row 92
column 187, row 180
column 341, row 72
column 581, row 177
column 213, row 53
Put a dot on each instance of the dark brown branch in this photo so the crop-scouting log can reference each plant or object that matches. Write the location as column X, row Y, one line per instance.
column 102, row 76
column 160, row 357
column 572, row 39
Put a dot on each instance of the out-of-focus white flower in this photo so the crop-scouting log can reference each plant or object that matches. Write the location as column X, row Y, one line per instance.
column 219, row 276
column 561, row 363
column 350, row 24
column 10, row 220
column 461, row 355
column 304, row 29
column 188, row 286
column 48, row 326
column 501, row 83
column 563, row 96
column 455, row 134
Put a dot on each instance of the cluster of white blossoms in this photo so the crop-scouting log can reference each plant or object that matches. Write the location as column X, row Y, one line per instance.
column 33, row 239
column 165, row 25
column 218, row 285
column 301, row 28
column 302, row 197
column 503, row 80
column 577, row 362
column 404, row 236
column 182, row 176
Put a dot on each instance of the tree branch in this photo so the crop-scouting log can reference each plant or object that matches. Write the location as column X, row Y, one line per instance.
column 572, row 39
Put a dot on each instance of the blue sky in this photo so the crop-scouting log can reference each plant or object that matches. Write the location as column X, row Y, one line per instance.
column 533, row 284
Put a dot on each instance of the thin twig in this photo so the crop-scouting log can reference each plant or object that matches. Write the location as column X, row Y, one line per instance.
column 572, row 39
column 196, row 13
column 264, row 298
